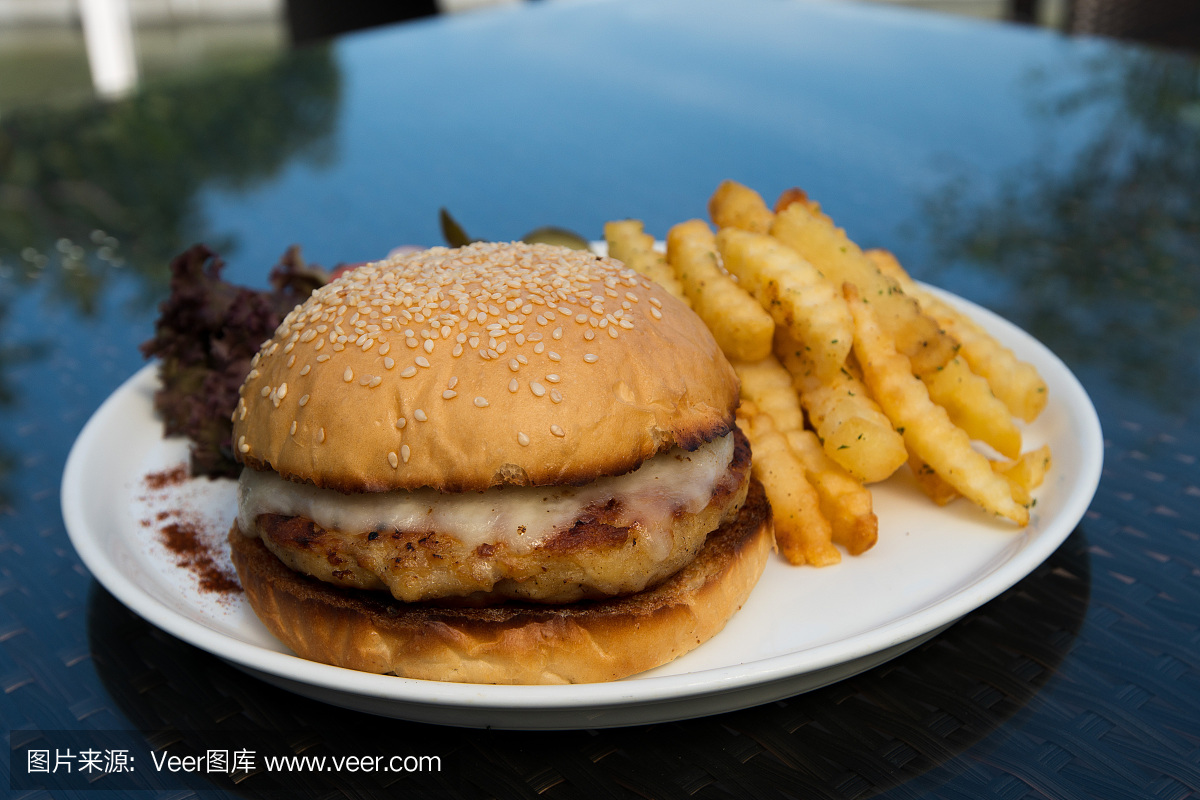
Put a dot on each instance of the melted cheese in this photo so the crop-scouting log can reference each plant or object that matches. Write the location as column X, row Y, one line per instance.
column 519, row 517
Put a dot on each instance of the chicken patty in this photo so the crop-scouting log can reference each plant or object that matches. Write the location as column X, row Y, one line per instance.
column 605, row 551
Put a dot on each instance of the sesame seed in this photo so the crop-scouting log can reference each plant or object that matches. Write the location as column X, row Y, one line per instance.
column 419, row 415
column 481, row 402
column 581, row 318
column 552, row 377
column 384, row 348
column 404, row 452
column 393, row 460
column 523, row 438
column 422, row 361
column 400, row 423
column 282, row 392
column 513, row 385
column 428, row 345
column 513, row 364
column 553, row 356
column 321, row 435
column 305, row 369
column 449, row 394
column 304, row 400
column 590, row 358
column 450, row 384
column 539, row 347
column 293, row 428
column 654, row 312
column 245, row 448
column 408, row 371
column 348, row 375
column 612, row 331
column 388, row 363
column 626, row 324
column 323, row 357
column 375, row 381
column 557, row 333
column 557, row 431
column 555, row 396
column 291, row 360
column 654, row 301
column 458, row 350
column 537, row 389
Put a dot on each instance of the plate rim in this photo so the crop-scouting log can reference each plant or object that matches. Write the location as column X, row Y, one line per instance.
column 653, row 690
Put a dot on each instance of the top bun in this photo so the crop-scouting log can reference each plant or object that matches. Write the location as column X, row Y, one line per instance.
column 486, row 365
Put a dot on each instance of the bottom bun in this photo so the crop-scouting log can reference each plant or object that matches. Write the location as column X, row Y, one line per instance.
column 583, row 642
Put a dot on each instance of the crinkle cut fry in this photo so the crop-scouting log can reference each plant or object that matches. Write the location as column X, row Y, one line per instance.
column 925, row 426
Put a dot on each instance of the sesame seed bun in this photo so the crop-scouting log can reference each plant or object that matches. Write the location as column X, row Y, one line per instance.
column 515, row 643
column 389, row 378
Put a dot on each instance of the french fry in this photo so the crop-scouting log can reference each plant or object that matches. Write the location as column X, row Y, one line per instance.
column 802, row 533
column 845, row 502
column 1024, row 474
column 969, row 401
column 853, row 430
column 768, row 386
column 925, row 426
column 1015, row 382
column 733, row 205
column 767, row 391
column 932, row 484
column 743, row 330
column 795, row 294
column 798, row 195
column 1029, row 470
column 628, row 243
column 840, row 260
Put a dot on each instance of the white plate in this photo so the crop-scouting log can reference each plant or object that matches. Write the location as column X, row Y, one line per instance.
column 801, row 628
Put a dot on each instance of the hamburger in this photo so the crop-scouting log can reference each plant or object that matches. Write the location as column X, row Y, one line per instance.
column 503, row 463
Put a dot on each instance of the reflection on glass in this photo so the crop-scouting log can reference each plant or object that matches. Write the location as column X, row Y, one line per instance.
column 1100, row 240
column 127, row 175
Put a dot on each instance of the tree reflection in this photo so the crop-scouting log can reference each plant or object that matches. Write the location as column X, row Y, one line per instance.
column 1105, row 249
column 127, row 176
